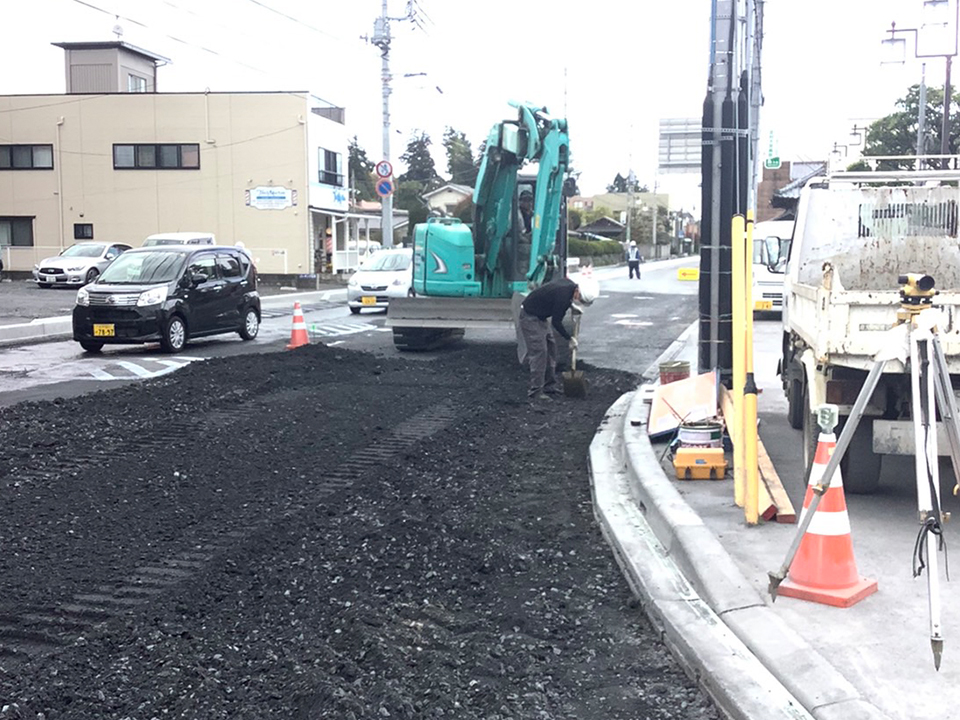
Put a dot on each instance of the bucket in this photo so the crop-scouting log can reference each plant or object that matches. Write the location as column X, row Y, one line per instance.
column 674, row 370
column 702, row 433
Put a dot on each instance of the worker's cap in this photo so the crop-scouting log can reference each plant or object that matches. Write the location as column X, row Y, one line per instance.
column 589, row 289
column 633, row 243
column 526, row 195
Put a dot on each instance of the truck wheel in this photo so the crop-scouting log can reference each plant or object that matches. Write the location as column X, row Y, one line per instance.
column 795, row 406
column 860, row 465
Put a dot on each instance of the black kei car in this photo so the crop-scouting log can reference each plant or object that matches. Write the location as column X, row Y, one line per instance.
column 169, row 293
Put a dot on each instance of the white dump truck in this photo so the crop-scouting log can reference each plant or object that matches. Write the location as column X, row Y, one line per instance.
column 857, row 235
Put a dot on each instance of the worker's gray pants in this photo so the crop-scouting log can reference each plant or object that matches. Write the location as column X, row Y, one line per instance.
column 541, row 353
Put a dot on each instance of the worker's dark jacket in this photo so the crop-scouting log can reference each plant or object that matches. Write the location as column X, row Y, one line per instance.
column 551, row 301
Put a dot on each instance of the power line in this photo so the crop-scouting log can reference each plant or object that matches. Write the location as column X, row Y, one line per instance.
column 297, row 21
column 175, row 39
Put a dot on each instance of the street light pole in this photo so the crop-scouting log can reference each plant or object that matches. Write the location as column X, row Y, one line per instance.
column 894, row 42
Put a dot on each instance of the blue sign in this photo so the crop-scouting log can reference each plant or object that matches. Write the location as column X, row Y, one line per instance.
column 384, row 187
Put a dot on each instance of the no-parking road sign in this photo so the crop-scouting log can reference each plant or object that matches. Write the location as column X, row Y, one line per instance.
column 384, row 187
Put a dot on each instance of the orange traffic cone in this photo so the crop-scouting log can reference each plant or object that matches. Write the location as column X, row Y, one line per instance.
column 824, row 569
column 298, row 336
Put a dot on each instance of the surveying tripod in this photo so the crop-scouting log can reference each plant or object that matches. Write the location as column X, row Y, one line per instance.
column 915, row 338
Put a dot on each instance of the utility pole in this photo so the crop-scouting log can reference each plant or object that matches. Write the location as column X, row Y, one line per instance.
column 381, row 39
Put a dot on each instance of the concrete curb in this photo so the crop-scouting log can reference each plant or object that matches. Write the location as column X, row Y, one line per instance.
column 727, row 671
column 671, row 559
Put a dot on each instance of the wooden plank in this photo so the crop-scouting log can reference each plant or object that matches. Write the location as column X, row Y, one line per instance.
column 773, row 502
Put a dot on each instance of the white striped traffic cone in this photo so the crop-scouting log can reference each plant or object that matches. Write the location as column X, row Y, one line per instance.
column 824, row 569
column 298, row 335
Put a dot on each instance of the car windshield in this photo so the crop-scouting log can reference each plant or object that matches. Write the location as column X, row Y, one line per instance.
column 388, row 262
column 83, row 251
column 141, row 268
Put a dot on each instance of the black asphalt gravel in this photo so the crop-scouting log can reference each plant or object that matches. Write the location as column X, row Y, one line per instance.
column 319, row 534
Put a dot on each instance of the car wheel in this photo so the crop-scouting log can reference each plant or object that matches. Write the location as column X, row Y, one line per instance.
column 174, row 335
column 251, row 325
column 355, row 311
column 91, row 346
column 92, row 274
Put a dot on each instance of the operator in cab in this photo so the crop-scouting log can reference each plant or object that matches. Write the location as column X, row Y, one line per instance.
column 541, row 314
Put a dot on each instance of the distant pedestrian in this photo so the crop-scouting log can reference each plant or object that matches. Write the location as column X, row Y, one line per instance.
column 541, row 314
column 633, row 259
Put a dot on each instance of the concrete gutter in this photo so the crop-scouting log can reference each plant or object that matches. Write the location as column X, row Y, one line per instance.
column 744, row 655
column 61, row 327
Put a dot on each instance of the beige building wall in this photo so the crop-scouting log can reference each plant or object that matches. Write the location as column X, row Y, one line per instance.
column 247, row 140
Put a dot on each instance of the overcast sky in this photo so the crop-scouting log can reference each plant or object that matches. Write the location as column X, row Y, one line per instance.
column 614, row 67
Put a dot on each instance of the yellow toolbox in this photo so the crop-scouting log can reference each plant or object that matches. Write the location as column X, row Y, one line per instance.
column 699, row 463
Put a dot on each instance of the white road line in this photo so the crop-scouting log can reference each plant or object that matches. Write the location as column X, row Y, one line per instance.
column 335, row 343
column 634, row 323
column 135, row 369
column 172, row 363
column 99, row 374
column 623, row 315
column 335, row 329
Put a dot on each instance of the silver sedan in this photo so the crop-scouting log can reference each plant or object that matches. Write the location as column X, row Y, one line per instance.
column 79, row 264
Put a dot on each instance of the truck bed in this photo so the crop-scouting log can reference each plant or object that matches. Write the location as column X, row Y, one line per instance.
column 848, row 327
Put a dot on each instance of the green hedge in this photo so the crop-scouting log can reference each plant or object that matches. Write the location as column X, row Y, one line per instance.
column 578, row 247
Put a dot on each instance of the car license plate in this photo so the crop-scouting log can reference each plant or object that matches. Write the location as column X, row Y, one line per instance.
column 367, row 300
column 763, row 305
column 103, row 330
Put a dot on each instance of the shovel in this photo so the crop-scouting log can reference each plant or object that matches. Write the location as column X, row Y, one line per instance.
column 574, row 384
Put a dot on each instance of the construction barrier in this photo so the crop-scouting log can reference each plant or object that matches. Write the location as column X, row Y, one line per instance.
column 688, row 273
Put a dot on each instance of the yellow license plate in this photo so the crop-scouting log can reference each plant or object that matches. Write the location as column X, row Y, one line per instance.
column 763, row 305
column 103, row 330
column 368, row 300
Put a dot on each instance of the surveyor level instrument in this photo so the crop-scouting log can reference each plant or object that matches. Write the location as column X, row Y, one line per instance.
column 914, row 339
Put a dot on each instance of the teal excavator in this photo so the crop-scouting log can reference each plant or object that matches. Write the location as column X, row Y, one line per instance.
column 470, row 276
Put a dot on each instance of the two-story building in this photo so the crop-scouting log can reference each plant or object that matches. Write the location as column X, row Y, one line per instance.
column 114, row 160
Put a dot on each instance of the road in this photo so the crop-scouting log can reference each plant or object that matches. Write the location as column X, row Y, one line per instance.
column 631, row 320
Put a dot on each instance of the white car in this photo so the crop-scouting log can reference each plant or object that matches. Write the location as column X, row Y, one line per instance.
column 387, row 274
column 79, row 264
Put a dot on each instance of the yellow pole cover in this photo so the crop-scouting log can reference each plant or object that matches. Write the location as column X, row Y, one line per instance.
column 735, row 427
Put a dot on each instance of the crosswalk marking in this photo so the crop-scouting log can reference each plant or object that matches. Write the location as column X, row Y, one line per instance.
column 335, row 329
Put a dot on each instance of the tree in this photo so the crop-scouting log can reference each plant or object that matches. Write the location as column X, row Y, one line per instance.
column 460, row 163
column 409, row 196
column 419, row 162
column 896, row 134
column 361, row 171
column 574, row 219
column 621, row 184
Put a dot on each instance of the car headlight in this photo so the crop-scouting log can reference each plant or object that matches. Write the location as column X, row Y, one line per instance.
column 352, row 283
column 83, row 297
column 152, row 297
column 78, row 268
column 36, row 267
column 398, row 282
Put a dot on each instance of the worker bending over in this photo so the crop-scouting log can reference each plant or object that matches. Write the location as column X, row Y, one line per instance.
column 541, row 313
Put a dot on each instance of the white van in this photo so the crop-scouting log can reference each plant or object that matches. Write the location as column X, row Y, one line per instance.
column 180, row 238
column 771, row 247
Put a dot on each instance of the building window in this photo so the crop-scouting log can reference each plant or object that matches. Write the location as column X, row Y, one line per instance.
column 136, row 84
column 156, row 156
column 26, row 157
column 83, row 231
column 16, row 231
column 331, row 167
